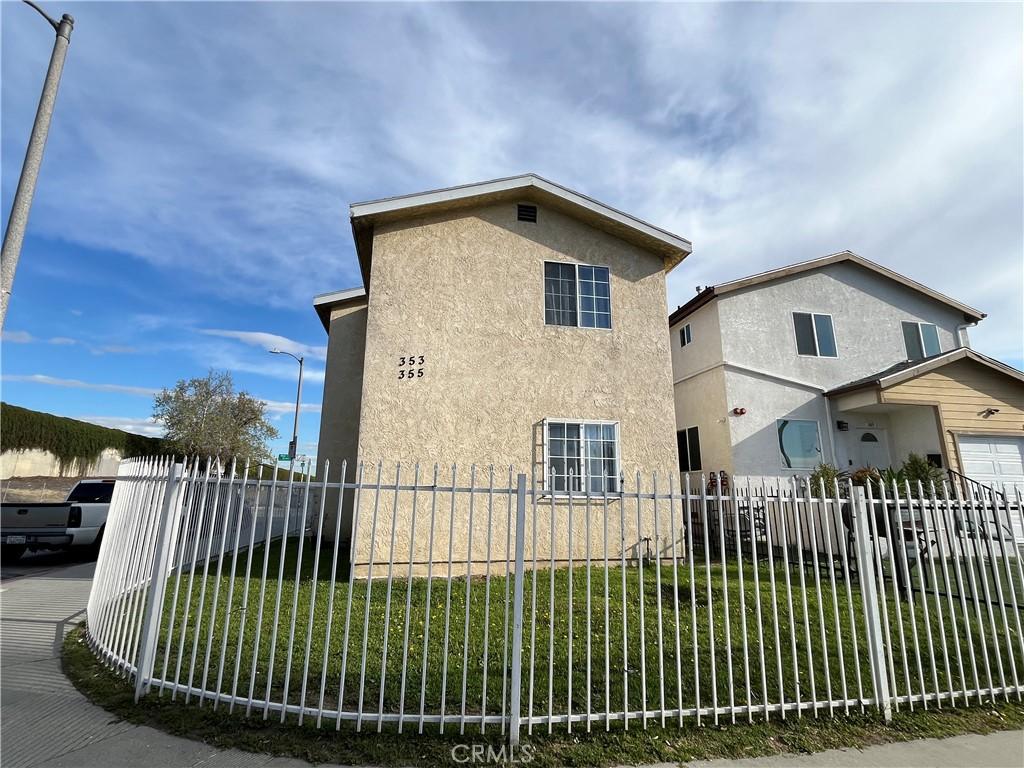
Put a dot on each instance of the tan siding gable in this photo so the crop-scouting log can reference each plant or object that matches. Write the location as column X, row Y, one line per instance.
column 963, row 391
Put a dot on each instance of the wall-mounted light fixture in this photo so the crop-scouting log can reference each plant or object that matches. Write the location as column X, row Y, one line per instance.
column 989, row 412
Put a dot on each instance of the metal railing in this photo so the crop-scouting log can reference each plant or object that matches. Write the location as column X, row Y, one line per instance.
column 473, row 599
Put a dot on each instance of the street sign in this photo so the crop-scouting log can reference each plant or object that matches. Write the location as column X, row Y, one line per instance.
column 283, row 457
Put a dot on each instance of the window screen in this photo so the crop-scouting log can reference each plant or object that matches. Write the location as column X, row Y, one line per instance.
column 804, row 325
column 588, row 451
column 559, row 293
column 930, row 337
column 595, row 301
column 799, row 443
column 688, row 442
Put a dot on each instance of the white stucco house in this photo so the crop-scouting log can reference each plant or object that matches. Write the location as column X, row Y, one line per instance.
column 842, row 361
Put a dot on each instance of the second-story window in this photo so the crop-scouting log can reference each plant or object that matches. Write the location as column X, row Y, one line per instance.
column 684, row 335
column 922, row 340
column 814, row 335
column 577, row 295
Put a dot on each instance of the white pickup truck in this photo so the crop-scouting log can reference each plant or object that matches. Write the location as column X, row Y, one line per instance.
column 76, row 523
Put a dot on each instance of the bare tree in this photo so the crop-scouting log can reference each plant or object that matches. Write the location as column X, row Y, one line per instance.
column 206, row 417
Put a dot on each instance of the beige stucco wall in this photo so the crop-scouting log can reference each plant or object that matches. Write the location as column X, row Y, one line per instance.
column 701, row 401
column 343, row 384
column 465, row 291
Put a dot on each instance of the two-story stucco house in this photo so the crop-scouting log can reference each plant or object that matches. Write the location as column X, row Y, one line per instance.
column 511, row 322
column 842, row 361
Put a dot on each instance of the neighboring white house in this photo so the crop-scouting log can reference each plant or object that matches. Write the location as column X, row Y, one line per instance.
column 781, row 371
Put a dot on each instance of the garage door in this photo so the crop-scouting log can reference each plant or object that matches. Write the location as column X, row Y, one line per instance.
column 993, row 460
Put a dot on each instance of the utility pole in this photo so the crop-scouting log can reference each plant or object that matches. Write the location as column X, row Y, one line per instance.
column 15, row 233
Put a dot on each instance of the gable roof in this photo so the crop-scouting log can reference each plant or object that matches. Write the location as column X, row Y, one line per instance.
column 325, row 302
column 910, row 369
column 970, row 313
column 529, row 186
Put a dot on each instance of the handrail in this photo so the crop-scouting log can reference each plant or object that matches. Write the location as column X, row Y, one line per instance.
column 954, row 475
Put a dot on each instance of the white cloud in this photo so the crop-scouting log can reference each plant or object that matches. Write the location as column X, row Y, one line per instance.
column 278, row 407
column 766, row 133
column 147, row 427
column 274, row 407
column 18, row 337
column 62, row 341
column 268, row 341
column 52, row 381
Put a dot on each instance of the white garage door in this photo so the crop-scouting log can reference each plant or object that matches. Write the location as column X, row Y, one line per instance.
column 994, row 460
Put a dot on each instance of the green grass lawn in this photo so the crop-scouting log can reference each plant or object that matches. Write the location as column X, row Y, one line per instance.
column 636, row 746
column 791, row 656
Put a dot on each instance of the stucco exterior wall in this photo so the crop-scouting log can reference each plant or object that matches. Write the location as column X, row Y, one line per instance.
column 701, row 401
column 339, row 417
column 866, row 309
column 755, row 434
column 914, row 429
column 463, row 295
column 705, row 347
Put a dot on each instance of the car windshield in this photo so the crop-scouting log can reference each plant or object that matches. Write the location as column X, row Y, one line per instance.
column 87, row 493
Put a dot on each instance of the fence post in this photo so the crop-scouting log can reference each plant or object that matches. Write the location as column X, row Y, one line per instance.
column 157, row 583
column 859, row 512
column 515, row 705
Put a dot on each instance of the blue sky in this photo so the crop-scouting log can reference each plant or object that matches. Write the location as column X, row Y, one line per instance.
column 194, row 193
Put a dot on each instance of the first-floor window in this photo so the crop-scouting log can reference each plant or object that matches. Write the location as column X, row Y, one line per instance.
column 799, row 443
column 582, row 454
column 688, row 442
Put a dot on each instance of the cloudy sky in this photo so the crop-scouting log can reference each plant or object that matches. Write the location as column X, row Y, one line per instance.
column 202, row 156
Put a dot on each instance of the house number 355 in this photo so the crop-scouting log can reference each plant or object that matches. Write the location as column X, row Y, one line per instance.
column 410, row 367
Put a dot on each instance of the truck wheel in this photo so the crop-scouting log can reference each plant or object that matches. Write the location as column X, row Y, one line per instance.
column 11, row 552
column 94, row 548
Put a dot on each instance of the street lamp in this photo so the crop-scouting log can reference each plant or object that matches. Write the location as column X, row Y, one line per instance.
column 16, row 224
column 294, row 444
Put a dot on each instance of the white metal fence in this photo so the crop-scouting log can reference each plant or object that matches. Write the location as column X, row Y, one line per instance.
column 473, row 599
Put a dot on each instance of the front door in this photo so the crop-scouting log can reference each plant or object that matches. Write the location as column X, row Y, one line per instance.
column 872, row 448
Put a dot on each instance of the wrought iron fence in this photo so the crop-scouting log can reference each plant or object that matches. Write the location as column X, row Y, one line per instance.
column 454, row 598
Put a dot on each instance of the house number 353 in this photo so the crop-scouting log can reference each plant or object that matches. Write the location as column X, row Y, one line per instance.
column 410, row 367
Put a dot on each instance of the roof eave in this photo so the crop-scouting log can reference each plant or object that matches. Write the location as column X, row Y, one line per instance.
column 365, row 216
column 325, row 303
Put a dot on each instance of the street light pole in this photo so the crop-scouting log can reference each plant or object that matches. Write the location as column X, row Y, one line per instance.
column 16, row 224
column 293, row 448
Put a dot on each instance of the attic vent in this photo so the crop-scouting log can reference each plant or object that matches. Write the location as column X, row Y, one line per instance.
column 526, row 213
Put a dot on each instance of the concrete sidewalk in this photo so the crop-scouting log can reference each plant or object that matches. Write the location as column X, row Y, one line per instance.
column 47, row 723
column 997, row 750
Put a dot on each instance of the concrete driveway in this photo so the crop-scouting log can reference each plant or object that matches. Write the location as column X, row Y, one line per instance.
column 47, row 723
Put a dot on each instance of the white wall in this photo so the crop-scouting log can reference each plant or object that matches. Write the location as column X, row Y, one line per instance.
column 915, row 429
column 36, row 463
column 755, row 435
column 705, row 347
column 867, row 310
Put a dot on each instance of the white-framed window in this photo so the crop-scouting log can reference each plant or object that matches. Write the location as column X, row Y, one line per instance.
column 684, row 335
column 577, row 295
column 815, row 336
column 688, row 443
column 922, row 340
column 581, row 455
column 799, row 443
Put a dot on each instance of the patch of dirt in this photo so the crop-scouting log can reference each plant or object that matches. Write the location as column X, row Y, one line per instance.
column 37, row 489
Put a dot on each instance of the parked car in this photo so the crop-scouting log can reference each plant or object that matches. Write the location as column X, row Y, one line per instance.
column 77, row 523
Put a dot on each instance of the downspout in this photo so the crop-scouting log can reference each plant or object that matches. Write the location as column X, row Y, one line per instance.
column 959, row 334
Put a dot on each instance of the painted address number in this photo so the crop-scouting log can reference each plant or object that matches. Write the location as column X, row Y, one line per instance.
column 410, row 367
